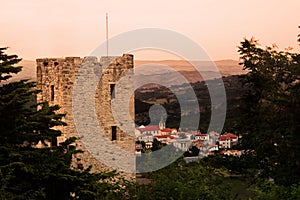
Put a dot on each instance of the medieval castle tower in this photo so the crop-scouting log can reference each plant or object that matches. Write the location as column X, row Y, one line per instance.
column 55, row 79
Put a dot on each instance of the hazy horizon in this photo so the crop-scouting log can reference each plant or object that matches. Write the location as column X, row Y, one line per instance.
column 55, row 28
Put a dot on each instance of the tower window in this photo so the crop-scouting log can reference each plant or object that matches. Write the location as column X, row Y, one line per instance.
column 45, row 63
column 112, row 91
column 52, row 92
column 113, row 133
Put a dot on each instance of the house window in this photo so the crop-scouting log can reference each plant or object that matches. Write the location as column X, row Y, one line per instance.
column 113, row 133
column 112, row 91
column 52, row 93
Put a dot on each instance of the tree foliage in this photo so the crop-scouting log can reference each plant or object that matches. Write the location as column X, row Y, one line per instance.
column 271, row 110
column 266, row 190
column 7, row 63
column 182, row 180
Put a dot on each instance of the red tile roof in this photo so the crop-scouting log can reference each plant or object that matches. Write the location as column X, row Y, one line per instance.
column 149, row 128
column 168, row 129
column 224, row 137
column 232, row 135
column 230, row 152
column 227, row 136
column 164, row 136
column 201, row 134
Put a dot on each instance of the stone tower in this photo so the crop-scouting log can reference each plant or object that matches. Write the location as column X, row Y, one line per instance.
column 55, row 79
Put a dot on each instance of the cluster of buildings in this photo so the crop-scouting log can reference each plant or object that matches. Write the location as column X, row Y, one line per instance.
column 206, row 143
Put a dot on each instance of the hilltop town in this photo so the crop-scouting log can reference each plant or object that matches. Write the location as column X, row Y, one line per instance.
column 195, row 144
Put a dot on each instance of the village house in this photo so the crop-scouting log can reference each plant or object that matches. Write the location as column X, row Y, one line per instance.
column 166, row 139
column 148, row 145
column 231, row 152
column 169, row 131
column 150, row 129
column 138, row 149
column 145, row 137
column 182, row 144
column 228, row 140
column 203, row 137
column 213, row 147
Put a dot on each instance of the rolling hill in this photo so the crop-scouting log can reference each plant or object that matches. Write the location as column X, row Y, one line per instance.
column 154, row 71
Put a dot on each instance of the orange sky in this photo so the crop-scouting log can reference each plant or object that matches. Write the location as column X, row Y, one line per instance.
column 56, row 28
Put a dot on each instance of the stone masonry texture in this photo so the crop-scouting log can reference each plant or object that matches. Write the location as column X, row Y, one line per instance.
column 56, row 78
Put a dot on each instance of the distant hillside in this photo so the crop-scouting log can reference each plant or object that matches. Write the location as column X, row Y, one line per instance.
column 28, row 71
column 230, row 67
column 186, row 69
column 147, row 96
column 226, row 67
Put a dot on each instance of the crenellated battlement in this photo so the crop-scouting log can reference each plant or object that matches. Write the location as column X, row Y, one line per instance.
column 67, row 61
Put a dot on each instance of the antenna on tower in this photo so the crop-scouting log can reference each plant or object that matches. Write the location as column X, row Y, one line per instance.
column 106, row 35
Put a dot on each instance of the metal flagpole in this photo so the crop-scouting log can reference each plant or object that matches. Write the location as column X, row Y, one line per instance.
column 106, row 35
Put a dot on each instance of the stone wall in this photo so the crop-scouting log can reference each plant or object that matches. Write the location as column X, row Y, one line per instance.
column 55, row 79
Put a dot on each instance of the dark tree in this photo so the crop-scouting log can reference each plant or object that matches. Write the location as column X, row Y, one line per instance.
column 7, row 63
column 271, row 110
column 193, row 151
